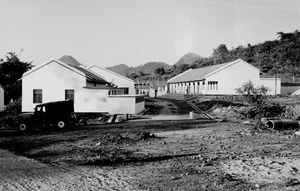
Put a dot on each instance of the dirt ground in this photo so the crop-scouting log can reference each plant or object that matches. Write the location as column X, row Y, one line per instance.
column 151, row 155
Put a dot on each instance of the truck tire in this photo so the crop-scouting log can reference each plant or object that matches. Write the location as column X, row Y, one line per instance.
column 61, row 124
column 23, row 127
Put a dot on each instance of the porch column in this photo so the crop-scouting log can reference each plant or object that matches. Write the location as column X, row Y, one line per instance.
column 180, row 87
column 194, row 87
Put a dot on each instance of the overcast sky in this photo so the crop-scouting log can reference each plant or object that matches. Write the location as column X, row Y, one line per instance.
column 133, row 32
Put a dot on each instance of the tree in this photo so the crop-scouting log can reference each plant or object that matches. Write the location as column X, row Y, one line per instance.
column 132, row 76
column 221, row 54
column 180, row 68
column 159, row 71
column 254, row 94
column 11, row 71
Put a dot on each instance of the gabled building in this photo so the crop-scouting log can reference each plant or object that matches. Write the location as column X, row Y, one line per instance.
column 55, row 80
column 220, row 79
column 1, row 98
column 123, row 85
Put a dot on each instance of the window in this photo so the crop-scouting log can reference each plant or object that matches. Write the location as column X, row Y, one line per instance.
column 37, row 96
column 69, row 94
column 119, row 91
column 213, row 85
column 126, row 91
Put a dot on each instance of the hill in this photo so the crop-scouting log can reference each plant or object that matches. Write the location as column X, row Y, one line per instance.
column 147, row 68
column 70, row 60
column 188, row 58
column 122, row 69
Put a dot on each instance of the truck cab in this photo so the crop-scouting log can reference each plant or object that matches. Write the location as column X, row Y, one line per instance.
column 58, row 114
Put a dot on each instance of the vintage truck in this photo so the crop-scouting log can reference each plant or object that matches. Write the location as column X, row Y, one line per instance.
column 59, row 114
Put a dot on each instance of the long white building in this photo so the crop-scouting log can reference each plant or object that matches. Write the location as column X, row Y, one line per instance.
column 221, row 79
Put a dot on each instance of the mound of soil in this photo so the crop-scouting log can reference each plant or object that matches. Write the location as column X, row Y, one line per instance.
column 98, row 155
column 207, row 105
column 128, row 137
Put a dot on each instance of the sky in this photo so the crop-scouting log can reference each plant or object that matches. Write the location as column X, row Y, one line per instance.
column 133, row 32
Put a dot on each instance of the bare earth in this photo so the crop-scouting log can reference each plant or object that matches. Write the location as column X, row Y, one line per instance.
column 182, row 155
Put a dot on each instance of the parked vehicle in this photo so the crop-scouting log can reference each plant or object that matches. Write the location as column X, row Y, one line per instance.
column 59, row 114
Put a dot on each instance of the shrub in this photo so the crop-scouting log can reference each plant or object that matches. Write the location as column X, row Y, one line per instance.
column 13, row 108
column 252, row 93
column 10, row 115
column 268, row 109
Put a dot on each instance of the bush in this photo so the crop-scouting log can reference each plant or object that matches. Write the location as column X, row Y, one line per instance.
column 14, row 108
column 10, row 115
column 252, row 93
column 292, row 112
column 263, row 110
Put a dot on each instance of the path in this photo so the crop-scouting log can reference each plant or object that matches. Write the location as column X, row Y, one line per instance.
column 160, row 109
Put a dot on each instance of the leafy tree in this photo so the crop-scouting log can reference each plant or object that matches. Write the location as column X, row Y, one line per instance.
column 180, row 68
column 132, row 76
column 220, row 54
column 11, row 71
column 254, row 94
column 159, row 71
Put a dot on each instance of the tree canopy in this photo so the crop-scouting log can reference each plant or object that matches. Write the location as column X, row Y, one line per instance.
column 278, row 57
column 11, row 71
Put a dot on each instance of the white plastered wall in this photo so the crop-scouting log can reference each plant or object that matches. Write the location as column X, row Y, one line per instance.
column 122, row 104
column 232, row 77
column 271, row 83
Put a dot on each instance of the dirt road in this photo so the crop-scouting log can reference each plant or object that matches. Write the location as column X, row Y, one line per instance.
column 160, row 106
column 152, row 155
column 181, row 156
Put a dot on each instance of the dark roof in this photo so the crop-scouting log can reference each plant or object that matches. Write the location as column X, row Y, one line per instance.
column 90, row 76
column 198, row 73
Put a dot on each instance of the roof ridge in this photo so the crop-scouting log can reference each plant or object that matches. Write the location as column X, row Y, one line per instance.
column 201, row 73
column 89, row 74
column 115, row 73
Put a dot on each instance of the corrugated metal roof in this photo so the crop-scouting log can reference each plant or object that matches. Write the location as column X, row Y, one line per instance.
column 197, row 74
column 90, row 76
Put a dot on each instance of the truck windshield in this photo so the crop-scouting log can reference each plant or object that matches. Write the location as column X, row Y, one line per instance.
column 40, row 109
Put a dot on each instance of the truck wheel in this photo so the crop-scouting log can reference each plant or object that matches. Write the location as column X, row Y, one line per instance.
column 22, row 127
column 61, row 124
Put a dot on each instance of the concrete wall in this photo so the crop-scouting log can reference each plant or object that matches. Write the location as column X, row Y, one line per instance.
column 1, row 99
column 231, row 78
column 270, row 84
column 119, row 80
column 122, row 104
column 54, row 79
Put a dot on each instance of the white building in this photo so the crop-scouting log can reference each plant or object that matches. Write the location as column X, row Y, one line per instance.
column 221, row 79
column 55, row 80
column 158, row 90
column 1, row 98
column 124, row 85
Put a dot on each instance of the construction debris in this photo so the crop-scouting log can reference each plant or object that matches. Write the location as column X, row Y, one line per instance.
column 281, row 124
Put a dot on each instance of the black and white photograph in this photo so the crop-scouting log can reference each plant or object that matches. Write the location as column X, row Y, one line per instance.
column 149, row 95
